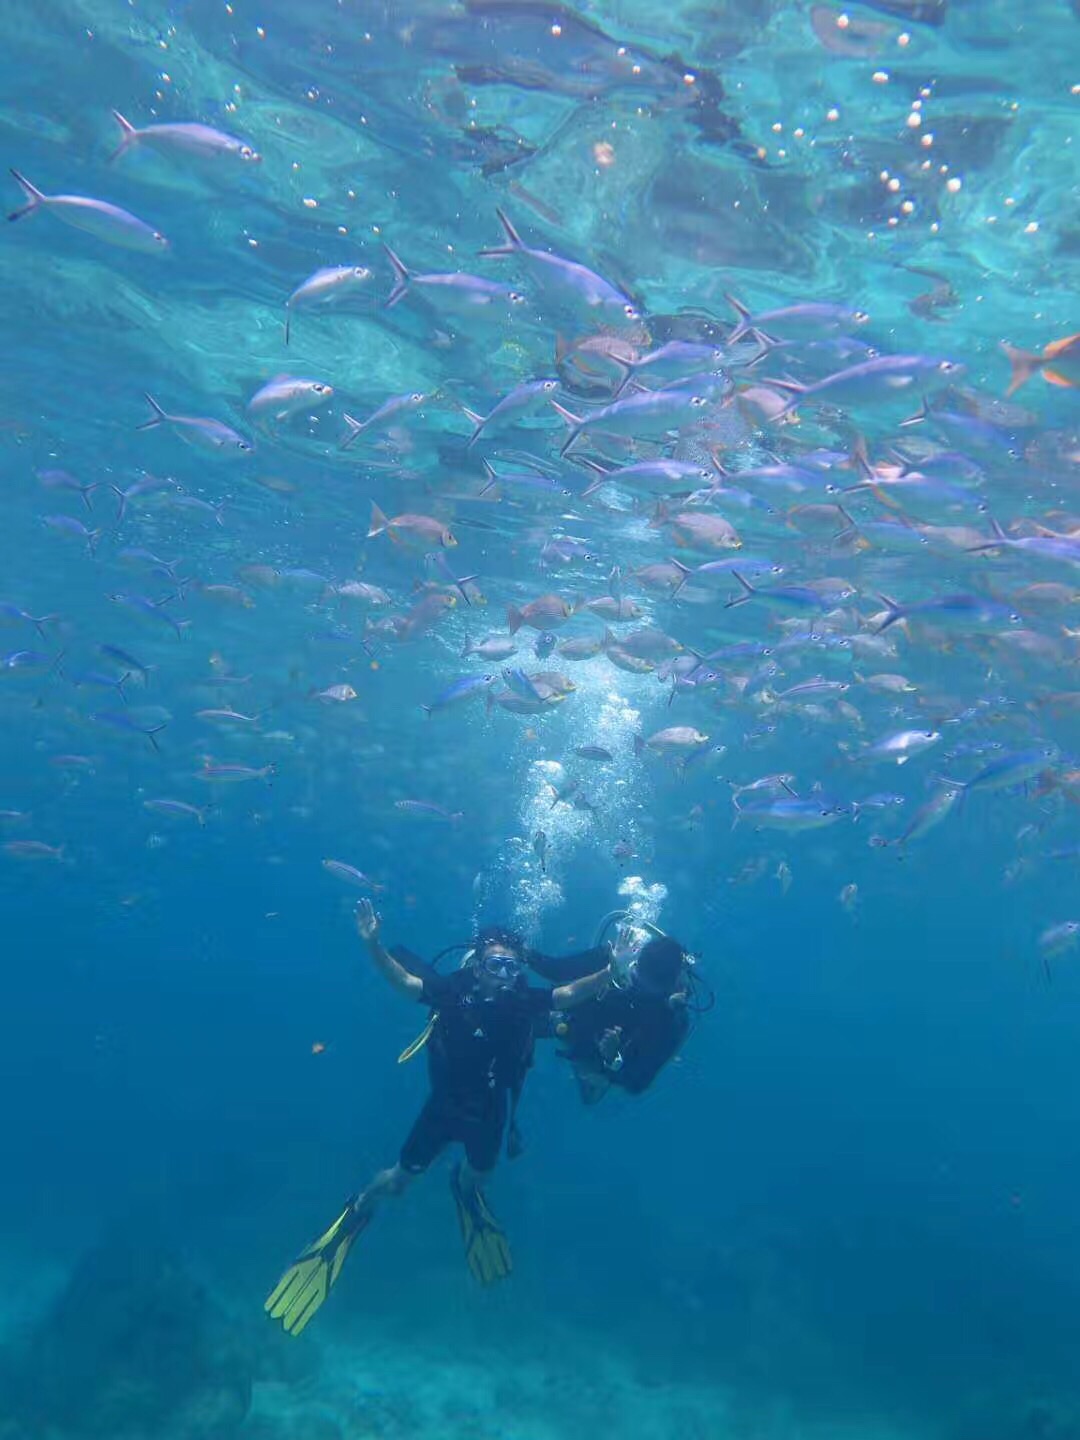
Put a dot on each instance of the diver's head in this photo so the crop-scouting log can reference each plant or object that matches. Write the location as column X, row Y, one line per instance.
column 498, row 959
column 658, row 967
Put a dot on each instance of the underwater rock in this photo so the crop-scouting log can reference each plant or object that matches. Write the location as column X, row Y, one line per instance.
column 134, row 1347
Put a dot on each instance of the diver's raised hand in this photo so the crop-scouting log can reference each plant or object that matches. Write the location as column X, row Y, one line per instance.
column 624, row 947
column 367, row 921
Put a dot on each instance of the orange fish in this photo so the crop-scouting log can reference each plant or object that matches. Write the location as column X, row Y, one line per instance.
column 1059, row 363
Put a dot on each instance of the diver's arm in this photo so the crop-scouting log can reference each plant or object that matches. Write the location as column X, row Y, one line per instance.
column 561, row 969
column 367, row 925
column 569, row 997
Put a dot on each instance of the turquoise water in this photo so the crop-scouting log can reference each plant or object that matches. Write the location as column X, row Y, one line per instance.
column 848, row 1207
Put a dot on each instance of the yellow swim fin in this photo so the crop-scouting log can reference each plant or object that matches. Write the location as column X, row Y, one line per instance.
column 307, row 1282
column 487, row 1250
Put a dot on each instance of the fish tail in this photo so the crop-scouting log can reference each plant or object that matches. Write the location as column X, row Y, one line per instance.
column 121, row 509
column 491, row 473
column 288, row 322
column 921, row 415
column 512, row 241
column 860, row 458
column 574, row 422
column 514, row 619
column 159, row 417
column 86, row 491
column 1024, row 363
column 748, row 592
column 120, row 686
column 894, row 613
column 153, row 732
column 34, row 197
column 684, row 575
column 379, row 522
column 402, row 277
column 478, row 421
column 742, row 323
column 128, row 136
column 355, row 428
column 627, row 373
column 93, row 538
column 460, row 584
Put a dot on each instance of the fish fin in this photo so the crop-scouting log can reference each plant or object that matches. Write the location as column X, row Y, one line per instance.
column 355, row 427
column 119, row 493
column 512, row 241
column 575, row 421
column 684, row 575
column 401, row 278
column 608, row 638
column 379, row 523
column 895, row 612
column 1054, row 377
column 128, row 136
column 492, row 475
column 743, row 317
column 921, row 415
column 628, row 371
column 749, row 591
column 1024, row 363
column 155, row 730
column 860, row 458
column 34, row 197
column 478, row 421
column 288, row 322
column 461, row 582
column 514, row 619
column 159, row 417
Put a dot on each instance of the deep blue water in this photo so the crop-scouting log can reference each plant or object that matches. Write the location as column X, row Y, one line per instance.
column 851, row 1201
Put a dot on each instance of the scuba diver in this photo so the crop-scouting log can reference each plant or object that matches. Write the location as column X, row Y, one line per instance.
column 479, row 1040
column 639, row 1017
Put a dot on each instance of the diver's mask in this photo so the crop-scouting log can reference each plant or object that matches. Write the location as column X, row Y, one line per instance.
column 497, row 968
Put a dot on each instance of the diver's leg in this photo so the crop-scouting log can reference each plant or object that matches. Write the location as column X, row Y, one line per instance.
column 393, row 1181
column 481, row 1140
column 592, row 1087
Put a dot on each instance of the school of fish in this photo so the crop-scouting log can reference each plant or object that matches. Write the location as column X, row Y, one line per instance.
column 832, row 565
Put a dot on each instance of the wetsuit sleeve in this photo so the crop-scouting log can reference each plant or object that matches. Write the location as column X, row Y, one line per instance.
column 562, row 969
column 410, row 961
column 650, row 1052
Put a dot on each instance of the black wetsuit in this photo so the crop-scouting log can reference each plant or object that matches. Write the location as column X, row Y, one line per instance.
column 478, row 1056
column 651, row 1028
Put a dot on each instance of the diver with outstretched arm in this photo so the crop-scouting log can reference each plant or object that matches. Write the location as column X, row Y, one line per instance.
column 479, row 1041
column 637, row 1019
